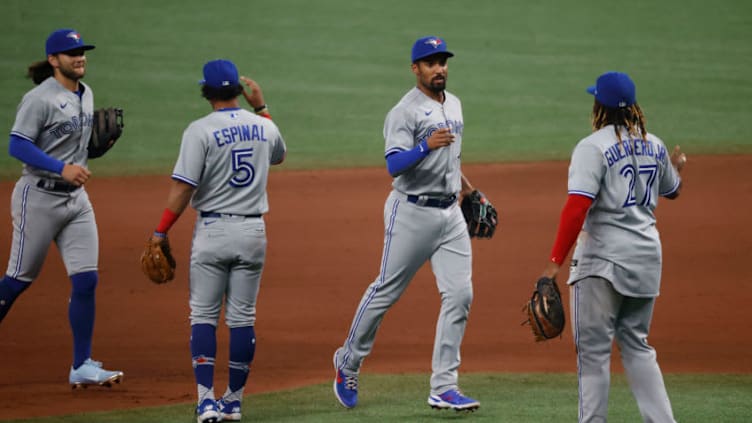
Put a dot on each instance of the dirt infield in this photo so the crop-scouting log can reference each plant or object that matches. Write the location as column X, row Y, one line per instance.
column 325, row 238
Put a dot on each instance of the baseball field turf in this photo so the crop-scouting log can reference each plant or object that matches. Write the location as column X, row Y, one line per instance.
column 331, row 70
column 514, row 398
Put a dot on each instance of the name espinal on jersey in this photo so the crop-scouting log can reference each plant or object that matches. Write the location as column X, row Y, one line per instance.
column 239, row 133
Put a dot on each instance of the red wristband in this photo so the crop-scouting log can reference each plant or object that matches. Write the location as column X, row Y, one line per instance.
column 169, row 217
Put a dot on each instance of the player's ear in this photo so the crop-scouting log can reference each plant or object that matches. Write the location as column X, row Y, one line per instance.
column 415, row 68
column 53, row 60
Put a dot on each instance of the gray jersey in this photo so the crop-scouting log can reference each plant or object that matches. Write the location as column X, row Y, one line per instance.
column 57, row 121
column 413, row 120
column 619, row 240
column 226, row 156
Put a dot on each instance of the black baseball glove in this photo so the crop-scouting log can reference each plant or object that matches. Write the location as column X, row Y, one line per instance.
column 480, row 215
column 545, row 311
column 107, row 126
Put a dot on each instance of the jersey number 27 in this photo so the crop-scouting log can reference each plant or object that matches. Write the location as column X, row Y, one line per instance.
column 634, row 176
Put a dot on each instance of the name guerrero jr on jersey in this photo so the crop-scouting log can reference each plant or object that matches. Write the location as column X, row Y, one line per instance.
column 634, row 147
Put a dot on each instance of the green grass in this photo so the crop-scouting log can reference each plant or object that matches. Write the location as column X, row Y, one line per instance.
column 331, row 69
column 514, row 398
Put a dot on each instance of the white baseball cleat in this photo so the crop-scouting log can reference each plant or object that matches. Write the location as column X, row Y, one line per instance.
column 92, row 373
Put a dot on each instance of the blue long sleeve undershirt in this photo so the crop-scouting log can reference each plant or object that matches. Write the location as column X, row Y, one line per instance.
column 397, row 163
column 27, row 152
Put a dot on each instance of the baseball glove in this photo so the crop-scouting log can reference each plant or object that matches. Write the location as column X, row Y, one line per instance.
column 107, row 126
column 480, row 215
column 157, row 262
column 545, row 311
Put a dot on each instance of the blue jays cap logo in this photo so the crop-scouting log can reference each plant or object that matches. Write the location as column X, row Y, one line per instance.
column 428, row 46
column 435, row 42
column 64, row 40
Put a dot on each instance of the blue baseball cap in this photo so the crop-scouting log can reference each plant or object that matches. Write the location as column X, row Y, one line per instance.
column 220, row 73
column 614, row 89
column 428, row 46
column 64, row 40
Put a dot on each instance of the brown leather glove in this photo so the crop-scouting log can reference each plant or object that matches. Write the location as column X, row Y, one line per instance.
column 545, row 311
column 157, row 262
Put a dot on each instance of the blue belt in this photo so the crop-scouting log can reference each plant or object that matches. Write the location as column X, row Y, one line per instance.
column 56, row 185
column 429, row 201
column 215, row 214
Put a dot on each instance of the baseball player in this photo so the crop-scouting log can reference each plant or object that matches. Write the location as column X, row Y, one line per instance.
column 49, row 203
column 616, row 175
column 423, row 221
column 222, row 170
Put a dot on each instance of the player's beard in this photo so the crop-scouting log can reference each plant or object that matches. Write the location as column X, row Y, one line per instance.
column 437, row 86
column 72, row 73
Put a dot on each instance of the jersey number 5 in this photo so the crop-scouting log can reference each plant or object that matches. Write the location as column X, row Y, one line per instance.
column 633, row 176
column 242, row 168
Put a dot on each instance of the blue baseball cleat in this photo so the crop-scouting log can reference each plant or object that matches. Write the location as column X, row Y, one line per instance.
column 229, row 410
column 345, row 386
column 92, row 373
column 208, row 412
column 453, row 399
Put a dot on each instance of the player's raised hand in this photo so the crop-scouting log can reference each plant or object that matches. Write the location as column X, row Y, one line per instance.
column 678, row 159
column 75, row 174
column 440, row 138
column 253, row 95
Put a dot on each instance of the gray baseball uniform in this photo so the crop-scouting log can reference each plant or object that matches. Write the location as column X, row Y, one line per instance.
column 616, row 267
column 226, row 156
column 59, row 123
column 50, row 136
column 422, row 221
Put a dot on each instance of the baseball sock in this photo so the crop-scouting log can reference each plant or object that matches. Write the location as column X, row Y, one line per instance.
column 242, row 350
column 81, row 311
column 203, row 352
column 10, row 289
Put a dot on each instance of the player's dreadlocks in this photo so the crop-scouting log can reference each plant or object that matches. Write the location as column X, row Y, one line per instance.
column 629, row 117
